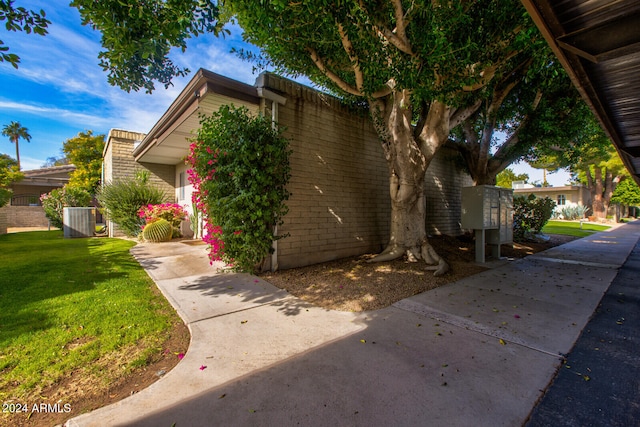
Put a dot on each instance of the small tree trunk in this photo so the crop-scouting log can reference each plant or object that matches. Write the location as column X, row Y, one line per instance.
column 599, row 209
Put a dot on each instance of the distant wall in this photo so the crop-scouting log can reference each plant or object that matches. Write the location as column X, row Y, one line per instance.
column 24, row 216
column 3, row 221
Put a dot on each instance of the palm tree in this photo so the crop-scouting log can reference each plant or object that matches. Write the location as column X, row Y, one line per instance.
column 15, row 131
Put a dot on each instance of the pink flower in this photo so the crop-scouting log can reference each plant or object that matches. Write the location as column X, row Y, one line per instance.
column 202, row 367
column 181, row 356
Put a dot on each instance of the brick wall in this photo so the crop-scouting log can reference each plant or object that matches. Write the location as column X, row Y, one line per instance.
column 119, row 163
column 443, row 188
column 3, row 221
column 24, row 216
column 340, row 190
column 339, row 205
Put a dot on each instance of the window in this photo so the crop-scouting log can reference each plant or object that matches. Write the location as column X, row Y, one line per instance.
column 562, row 200
column 182, row 189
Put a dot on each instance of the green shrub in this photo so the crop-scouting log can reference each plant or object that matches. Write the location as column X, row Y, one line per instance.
column 240, row 171
column 122, row 200
column 530, row 214
column 5, row 196
column 572, row 213
column 54, row 202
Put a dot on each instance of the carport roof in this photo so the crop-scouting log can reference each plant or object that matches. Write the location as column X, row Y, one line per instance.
column 166, row 141
column 598, row 43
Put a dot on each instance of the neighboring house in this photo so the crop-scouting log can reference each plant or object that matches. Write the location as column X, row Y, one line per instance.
column 339, row 204
column 25, row 209
column 565, row 196
column 37, row 182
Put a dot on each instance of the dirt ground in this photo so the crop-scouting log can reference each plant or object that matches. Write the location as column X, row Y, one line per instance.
column 349, row 284
column 353, row 284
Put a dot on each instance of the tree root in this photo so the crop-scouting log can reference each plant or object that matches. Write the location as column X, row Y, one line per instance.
column 389, row 254
column 424, row 252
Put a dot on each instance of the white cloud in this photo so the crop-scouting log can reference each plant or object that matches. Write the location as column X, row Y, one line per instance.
column 52, row 112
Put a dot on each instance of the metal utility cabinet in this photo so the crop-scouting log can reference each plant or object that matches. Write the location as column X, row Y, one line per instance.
column 489, row 211
column 78, row 222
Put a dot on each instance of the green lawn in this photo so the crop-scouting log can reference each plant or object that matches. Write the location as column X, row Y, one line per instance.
column 81, row 306
column 570, row 228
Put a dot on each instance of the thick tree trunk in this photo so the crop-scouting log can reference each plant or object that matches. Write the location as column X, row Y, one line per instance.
column 408, row 158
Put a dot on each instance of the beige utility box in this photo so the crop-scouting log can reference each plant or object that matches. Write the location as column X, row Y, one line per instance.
column 489, row 211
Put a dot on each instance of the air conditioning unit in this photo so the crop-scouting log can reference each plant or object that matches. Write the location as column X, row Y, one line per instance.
column 78, row 222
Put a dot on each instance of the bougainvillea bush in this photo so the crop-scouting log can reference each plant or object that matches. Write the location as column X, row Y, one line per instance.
column 240, row 168
column 172, row 212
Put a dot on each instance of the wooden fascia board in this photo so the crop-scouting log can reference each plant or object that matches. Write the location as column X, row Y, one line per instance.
column 203, row 83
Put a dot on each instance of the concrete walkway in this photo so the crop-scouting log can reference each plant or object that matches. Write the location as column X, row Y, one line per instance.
column 477, row 352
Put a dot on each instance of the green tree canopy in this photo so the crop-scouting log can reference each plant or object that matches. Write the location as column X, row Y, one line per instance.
column 627, row 193
column 137, row 36
column 592, row 158
column 9, row 173
column 506, row 177
column 535, row 105
column 85, row 152
column 19, row 19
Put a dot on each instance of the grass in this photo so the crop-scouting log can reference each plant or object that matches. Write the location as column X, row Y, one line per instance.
column 73, row 306
column 569, row 228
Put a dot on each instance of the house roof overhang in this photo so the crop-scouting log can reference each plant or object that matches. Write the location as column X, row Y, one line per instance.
column 598, row 44
column 166, row 141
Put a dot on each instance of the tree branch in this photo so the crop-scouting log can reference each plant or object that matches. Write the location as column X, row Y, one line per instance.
column 353, row 58
column 331, row 75
column 461, row 114
column 487, row 74
column 399, row 38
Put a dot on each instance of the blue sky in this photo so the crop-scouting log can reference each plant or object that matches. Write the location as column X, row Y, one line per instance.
column 60, row 90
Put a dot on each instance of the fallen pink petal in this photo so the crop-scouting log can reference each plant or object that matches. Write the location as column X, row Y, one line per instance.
column 202, row 368
column 517, row 316
column 181, row 356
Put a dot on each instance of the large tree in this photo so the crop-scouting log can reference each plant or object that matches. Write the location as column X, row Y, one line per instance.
column 85, row 152
column 419, row 65
column 14, row 131
column 592, row 159
column 627, row 193
column 535, row 105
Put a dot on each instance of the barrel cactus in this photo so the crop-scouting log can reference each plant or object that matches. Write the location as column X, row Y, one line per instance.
column 157, row 231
